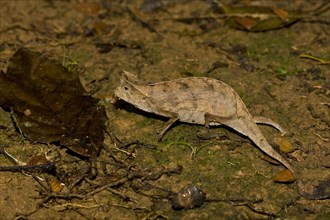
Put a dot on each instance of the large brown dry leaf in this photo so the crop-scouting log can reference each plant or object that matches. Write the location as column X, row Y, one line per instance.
column 258, row 18
column 51, row 105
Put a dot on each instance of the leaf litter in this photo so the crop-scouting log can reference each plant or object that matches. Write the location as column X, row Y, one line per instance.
column 72, row 207
column 50, row 105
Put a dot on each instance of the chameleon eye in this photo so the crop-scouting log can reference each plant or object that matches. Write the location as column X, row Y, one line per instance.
column 126, row 88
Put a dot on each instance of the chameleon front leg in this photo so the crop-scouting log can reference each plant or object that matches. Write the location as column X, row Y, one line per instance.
column 268, row 121
column 173, row 118
column 166, row 127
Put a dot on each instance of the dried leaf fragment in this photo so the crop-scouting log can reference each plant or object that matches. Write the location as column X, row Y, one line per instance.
column 284, row 144
column 258, row 18
column 50, row 104
column 37, row 160
column 285, row 176
column 281, row 13
column 247, row 22
column 56, row 185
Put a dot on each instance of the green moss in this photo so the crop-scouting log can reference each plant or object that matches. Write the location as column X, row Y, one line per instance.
column 146, row 121
column 70, row 62
column 271, row 51
column 286, row 70
column 323, row 216
column 153, row 55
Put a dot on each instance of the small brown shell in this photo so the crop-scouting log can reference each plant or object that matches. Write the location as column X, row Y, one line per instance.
column 188, row 197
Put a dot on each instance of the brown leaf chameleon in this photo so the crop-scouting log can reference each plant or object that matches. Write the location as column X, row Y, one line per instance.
column 197, row 100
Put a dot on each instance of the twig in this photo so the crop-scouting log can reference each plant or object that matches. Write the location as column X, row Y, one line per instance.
column 44, row 168
column 322, row 138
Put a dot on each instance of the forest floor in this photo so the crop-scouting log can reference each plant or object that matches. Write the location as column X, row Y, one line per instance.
column 282, row 74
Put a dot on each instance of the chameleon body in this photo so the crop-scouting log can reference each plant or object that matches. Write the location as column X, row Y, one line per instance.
column 197, row 100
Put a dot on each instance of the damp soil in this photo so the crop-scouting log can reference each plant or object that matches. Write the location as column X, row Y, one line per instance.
column 164, row 40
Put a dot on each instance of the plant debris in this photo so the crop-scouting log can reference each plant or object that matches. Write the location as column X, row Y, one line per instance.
column 258, row 18
column 284, row 144
column 49, row 104
column 284, row 176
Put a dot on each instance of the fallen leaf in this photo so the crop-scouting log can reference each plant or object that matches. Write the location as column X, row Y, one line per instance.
column 258, row 18
column 285, row 176
column 50, row 104
column 247, row 22
column 37, row 160
column 284, row 144
column 56, row 185
column 281, row 13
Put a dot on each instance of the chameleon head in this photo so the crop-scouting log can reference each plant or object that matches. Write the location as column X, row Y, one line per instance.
column 131, row 89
